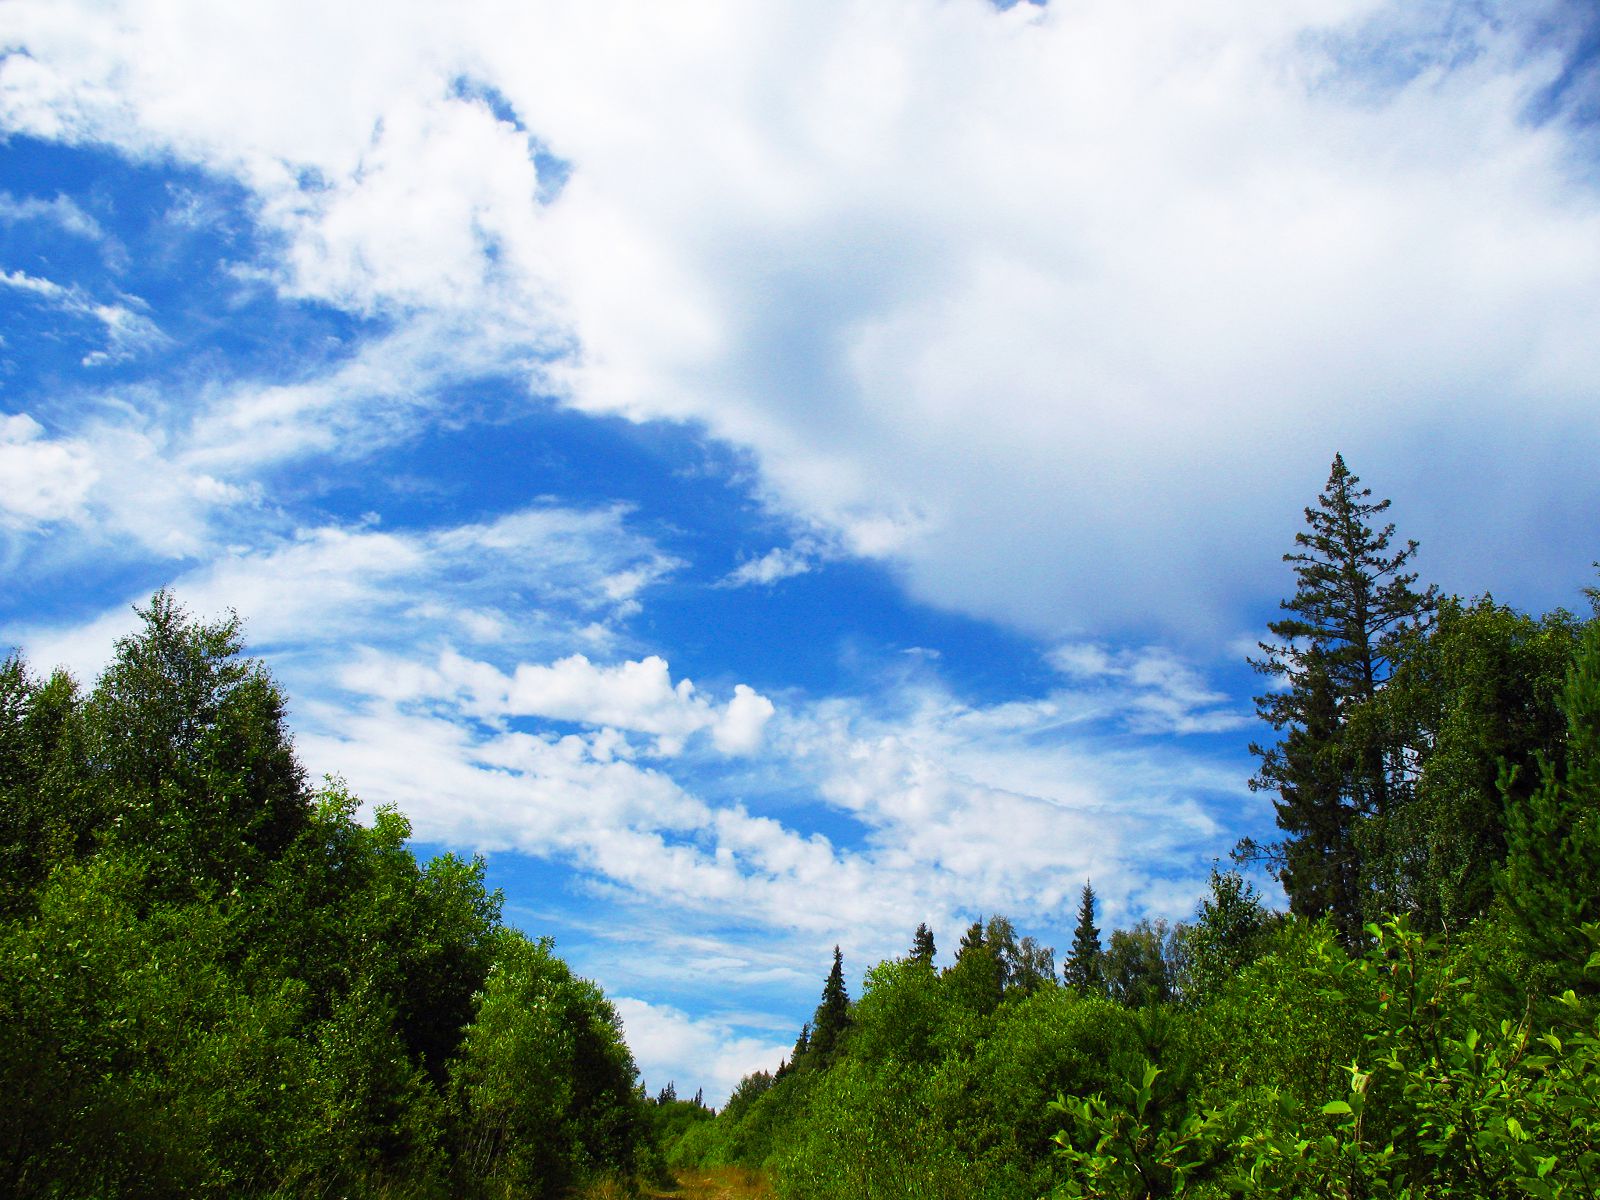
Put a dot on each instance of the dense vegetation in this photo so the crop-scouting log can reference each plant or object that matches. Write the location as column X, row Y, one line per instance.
column 215, row 980
column 1422, row 1023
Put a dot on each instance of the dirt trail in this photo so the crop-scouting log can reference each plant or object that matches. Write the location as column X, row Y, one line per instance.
column 726, row 1183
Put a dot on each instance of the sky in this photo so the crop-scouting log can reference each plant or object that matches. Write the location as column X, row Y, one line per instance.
column 768, row 475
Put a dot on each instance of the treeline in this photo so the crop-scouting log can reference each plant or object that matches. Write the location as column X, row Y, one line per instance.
column 216, row 981
column 1421, row 1024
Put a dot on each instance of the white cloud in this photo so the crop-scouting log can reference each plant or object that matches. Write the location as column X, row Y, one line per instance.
column 127, row 331
column 1009, row 298
column 1150, row 687
column 670, row 1046
column 740, row 726
column 46, row 480
column 60, row 211
column 529, row 581
column 777, row 563
column 631, row 697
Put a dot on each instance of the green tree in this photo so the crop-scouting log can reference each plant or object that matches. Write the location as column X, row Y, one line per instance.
column 545, row 1085
column 48, row 810
column 922, row 947
column 976, row 980
column 1034, row 967
column 1136, row 965
column 1476, row 697
column 1333, row 766
column 832, row 1016
column 1548, row 886
column 1084, row 970
column 1228, row 933
column 191, row 748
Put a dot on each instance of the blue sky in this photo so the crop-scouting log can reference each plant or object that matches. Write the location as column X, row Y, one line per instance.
column 769, row 475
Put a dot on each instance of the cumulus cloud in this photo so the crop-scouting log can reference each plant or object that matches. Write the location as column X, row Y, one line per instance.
column 46, row 480
column 992, row 294
column 630, row 697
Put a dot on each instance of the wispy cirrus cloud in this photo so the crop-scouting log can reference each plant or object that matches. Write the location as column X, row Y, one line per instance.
column 127, row 332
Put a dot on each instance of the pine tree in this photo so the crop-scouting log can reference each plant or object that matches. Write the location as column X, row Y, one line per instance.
column 1334, row 768
column 1083, row 969
column 922, row 948
column 833, row 1014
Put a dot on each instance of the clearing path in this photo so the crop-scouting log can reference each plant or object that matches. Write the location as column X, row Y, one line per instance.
column 715, row 1183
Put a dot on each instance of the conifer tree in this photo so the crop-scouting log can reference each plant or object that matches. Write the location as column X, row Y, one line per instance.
column 1083, row 969
column 833, row 1014
column 1334, row 767
column 922, row 948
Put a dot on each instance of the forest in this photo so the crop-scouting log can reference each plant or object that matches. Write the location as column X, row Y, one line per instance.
column 215, row 980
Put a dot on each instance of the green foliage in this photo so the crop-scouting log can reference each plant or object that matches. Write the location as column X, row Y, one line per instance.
column 1039, row 1046
column 192, row 755
column 1145, row 1143
column 1285, row 1023
column 976, row 981
column 1476, row 701
column 1137, row 965
column 215, row 982
column 1084, row 971
column 48, row 813
column 939, row 1089
column 1442, row 1098
column 833, row 1015
column 1225, row 937
column 871, row 1135
column 544, row 1085
column 1332, row 768
column 901, row 1015
column 1548, row 887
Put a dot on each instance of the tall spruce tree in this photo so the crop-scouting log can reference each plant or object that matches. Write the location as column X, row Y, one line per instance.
column 1084, row 968
column 833, row 1014
column 1334, row 767
column 922, row 948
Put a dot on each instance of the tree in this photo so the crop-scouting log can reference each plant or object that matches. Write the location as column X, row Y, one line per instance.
column 976, row 981
column 1475, row 698
column 1335, row 766
column 1136, row 966
column 1033, row 968
column 833, row 1014
column 48, row 813
column 1553, row 837
column 922, row 948
column 190, row 744
column 1083, row 969
column 1227, row 934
